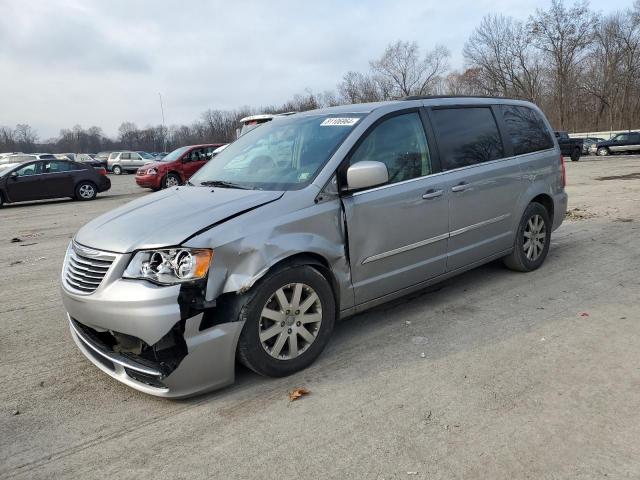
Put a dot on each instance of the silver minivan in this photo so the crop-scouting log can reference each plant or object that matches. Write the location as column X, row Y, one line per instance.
column 121, row 162
column 308, row 219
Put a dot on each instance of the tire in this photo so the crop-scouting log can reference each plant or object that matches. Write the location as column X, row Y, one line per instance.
column 117, row 170
column 603, row 152
column 268, row 355
column 86, row 191
column 527, row 259
column 1, row 200
column 171, row 180
column 575, row 155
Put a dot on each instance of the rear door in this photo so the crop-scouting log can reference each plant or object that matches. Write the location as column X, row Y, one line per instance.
column 482, row 182
column 57, row 179
column 26, row 186
column 620, row 143
column 633, row 143
column 397, row 232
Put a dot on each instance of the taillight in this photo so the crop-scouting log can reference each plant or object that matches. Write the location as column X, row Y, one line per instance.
column 564, row 172
column 102, row 171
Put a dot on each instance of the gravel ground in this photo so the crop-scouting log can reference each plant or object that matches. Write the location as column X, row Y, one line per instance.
column 523, row 375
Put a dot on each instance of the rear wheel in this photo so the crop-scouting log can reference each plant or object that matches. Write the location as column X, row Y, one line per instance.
column 603, row 151
column 288, row 322
column 532, row 240
column 86, row 191
column 575, row 155
column 171, row 180
column 117, row 170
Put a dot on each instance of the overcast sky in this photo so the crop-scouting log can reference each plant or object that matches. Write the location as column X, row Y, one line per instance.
column 67, row 62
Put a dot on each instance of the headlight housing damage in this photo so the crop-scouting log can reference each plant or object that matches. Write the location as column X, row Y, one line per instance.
column 170, row 266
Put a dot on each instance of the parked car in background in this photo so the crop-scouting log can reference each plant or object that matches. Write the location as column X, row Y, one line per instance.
column 89, row 159
column 251, row 259
column 627, row 142
column 102, row 157
column 249, row 123
column 588, row 142
column 571, row 147
column 25, row 157
column 68, row 156
column 175, row 168
column 127, row 161
column 50, row 178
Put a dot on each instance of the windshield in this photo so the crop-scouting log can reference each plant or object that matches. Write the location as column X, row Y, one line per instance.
column 175, row 155
column 284, row 154
column 6, row 168
column 146, row 155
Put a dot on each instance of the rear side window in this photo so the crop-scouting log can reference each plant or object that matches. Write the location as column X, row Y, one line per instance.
column 57, row 166
column 467, row 136
column 527, row 130
column 400, row 143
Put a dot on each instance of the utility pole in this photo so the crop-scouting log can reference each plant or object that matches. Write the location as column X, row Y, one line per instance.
column 164, row 126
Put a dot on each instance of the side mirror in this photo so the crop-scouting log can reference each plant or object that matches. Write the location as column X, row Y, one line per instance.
column 14, row 175
column 366, row 174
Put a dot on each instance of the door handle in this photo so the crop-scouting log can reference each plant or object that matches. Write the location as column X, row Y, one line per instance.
column 461, row 187
column 431, row 194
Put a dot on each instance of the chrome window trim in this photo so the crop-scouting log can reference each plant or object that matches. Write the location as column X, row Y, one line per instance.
column 428, row 241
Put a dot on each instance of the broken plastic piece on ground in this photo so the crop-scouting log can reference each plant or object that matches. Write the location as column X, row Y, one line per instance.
column 296, row 393
column 584, row 314
column 16, row 240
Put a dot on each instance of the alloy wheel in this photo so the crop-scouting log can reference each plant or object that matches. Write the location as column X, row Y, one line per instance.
column 290, row 321
column 535, row 236
column 86, row 191
column 172, row 181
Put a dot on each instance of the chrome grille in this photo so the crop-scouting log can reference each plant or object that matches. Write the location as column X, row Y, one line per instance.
column 85, row 268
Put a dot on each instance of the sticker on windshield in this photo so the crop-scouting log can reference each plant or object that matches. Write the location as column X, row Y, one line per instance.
column 339, row 122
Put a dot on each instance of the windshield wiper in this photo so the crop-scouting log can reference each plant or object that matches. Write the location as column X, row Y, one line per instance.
column 224, row 184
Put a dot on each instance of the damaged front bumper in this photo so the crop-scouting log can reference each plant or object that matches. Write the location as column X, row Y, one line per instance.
column 208, row 365
column 138, row 334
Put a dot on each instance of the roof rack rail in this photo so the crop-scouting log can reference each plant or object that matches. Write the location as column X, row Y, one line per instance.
column 429, row 97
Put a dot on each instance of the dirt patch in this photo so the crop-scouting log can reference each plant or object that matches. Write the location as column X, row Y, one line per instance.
column 579, row 214
column 629, row 176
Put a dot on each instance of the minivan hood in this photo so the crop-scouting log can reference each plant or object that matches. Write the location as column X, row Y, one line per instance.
column 168, row 217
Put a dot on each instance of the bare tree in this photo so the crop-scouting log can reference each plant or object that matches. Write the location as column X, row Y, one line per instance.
column 564, row 35
column 25, row 137
column 406, row 72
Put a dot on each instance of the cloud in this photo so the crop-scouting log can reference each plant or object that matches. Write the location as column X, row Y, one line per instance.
column 64, row 62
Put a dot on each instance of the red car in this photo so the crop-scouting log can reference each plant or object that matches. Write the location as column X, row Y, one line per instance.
column 176, row 168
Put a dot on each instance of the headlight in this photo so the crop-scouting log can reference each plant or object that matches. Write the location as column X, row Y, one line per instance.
column 170, row 266
column 152, row 171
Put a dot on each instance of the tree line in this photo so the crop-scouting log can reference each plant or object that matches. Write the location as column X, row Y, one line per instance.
column 580, row 67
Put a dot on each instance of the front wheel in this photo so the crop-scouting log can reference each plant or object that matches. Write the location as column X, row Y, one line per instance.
column 288, row 322
column 171, row 180
column 86, row 191
column 532, row 240
column 603, row 151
